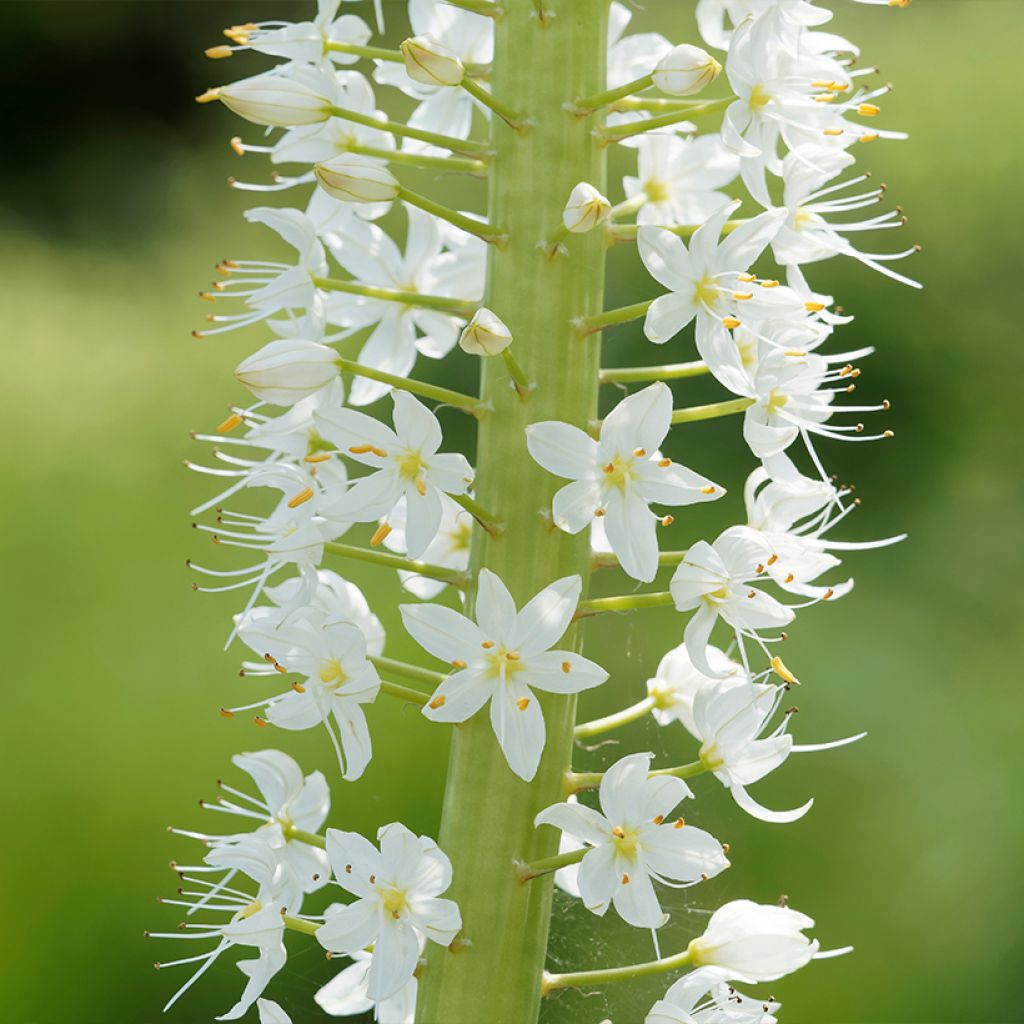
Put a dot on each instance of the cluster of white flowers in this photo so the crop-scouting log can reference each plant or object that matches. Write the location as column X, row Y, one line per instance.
column 795, row 112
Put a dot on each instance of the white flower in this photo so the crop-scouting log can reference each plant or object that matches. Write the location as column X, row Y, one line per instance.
column 629, row 58
column 808, row 234
column 485, row 335
column 306, row 41
column 685, row 70
column 269, row 286
column 500, row 657
column 754, row 942
column 406, row 462
column 711, row 15
column 729, row 720
column 345, row 994
column 585, row 209
column 708, row 281
column 288, row 370
column 356, row 179
column 704, row 996
column 631, row 843
column 617, row 477
column 466, row 36
column 449, row 548
column 337, row 678
column 677, row 682
column 437, row 261
column 292, row 94
column 715, row 579
column 396, row 904
column 430, row 62
column 679, row 178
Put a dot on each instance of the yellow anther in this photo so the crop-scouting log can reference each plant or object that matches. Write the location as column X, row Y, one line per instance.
column 301, row 498
column 667, row 520
column 209, row 96
column 795, row 353
column 379, row 534
column 747, row 278
column 825, row 97
column 680, row 823
column 458, row 664
column 833, row 132
column 773, row 559
column 789, row 578
column 828, row 593
column 207, row 297
column 888, row 433
column 437, row 702
column 512, row 656
column 219, row 52
column 421, row 486
column 487, row 645
column 523, row 703
column 658, row 819
column 236, row 145
column 726, row 847
column 298, row 688
column 317, row 457
column 704, row 876
column 855, row 372
column 229, row 424
column 367, row 449
column 869, row 110
column 599, row 513
column 868, row 137
column 639, row 453
column 261, row 722
column 742, row 296
column 759, row 569
column 610, row 468
column 664, row 463
column 814, row 307
column 779, row 668
column 730, row 323
column 566, row 666
column 625, row 879
column 751, row 594
column 710, row 489
column 769, row 284
column 227, row 712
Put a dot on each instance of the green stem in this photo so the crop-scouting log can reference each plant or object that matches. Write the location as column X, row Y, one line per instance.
column 587, row 979
column 296, row 924
column 511, row 117
column 523, row 383
column 491, row 523
column 309, row 838
column 611, row 317
column 576, row 782
column 713, row 411
column 403, row 692
column 470, row 146
column 416, row 387
column 627, row 232
column 549, row 864
column 541, row 63
column 424, row 160
column 370, row 52
column 639, row 374
column 606, row 560
column 623, row 603
column 456, row 577
column 589, row 104
column 488, row 232
column 404, row 670
column 459, row 307
column 657, row 104
column 626, row 131
column 616, row 721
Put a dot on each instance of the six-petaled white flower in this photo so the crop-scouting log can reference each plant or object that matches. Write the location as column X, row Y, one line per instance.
column 704, row 996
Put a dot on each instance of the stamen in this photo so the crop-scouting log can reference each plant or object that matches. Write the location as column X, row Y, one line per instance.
column 639, row 453
column 379, row 534
column 710, row 489
column 730, row 322
column 566, row 667
column 230, row 423
column 523, row 703
column 664, row 463
column 437, row 702
column 301, row 498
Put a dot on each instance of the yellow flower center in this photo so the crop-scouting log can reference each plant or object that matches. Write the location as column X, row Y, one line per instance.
column 410, row 464
column 707, row 292
column 626, row 842
column 618, row 472
column 657, row 191
column 759, row 98
column 393, row 901
column 332, row 673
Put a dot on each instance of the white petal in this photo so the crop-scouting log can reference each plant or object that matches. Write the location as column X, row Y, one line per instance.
column 577, row 820
column 562, row 449
column 442, row 632
column 639, row 421
column 519, row 728
column 395, row 954
column 561, row 672
column 544, row 618
column 464, row 693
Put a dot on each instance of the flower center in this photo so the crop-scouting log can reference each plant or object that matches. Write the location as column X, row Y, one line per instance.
column 710, row 757
column 776, row 400
column 501, row 658
column 657, row 190
column 254, row 908
column 393, row 901
column 618, row 472
column 626, row 841
column 707, row 292
column 332, row 674
column 410, row 464
column 759, row 98
column 461, row 537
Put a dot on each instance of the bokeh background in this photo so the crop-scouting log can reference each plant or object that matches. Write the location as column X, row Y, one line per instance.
column 113, row 209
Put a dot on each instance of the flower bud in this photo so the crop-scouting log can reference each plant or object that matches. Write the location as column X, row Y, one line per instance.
column 276, row 100
column 356, row 179
column 685, row 70
column 754, row 942
column 585, row 209
column 485, row 334
column 430, row 63
column 286, row 371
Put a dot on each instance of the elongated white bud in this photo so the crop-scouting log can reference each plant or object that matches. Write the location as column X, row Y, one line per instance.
column 685, row 70
column 286, row 371
column 431, row 63
column 275, row 100
column 356, row 179
column 585, row 209
column 485, row 335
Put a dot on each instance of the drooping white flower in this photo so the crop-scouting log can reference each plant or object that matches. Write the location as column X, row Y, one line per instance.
column 436, row 261
column 708, row 281
column 680, row 178
column 685, row 70
column 449, row 548
column 430, row 62
column 345, row 994
column 486, row 334
column 406, row 463
column 704, row 996
column 465, row 36
column 630, row 56
column 287, row 96
column 631, row 842
column 337, row 678
column 738, row 745
column 753, row 942
column 676, row 683
column 716, row 580
column 501, row 658
column 585, row 208
column 618, row 476
column 397, row 903
column 712, row 16
column 356, row 179
column 269, row 286
column 288, row 370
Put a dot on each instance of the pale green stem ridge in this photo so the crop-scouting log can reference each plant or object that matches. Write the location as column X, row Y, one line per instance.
column 712, row 411
column 416, row 387
column 541, row 63
column 389, row 560
column 459, row 307
column 424, row 160
column 640, row 374
column 589, row 979
column 470, row 146
column 602, row 725
column 488, row 232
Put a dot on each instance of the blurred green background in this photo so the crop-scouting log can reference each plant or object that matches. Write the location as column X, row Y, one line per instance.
column 112, row 212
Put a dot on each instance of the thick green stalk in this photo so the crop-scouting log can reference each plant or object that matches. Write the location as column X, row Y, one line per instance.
column 540, row 64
